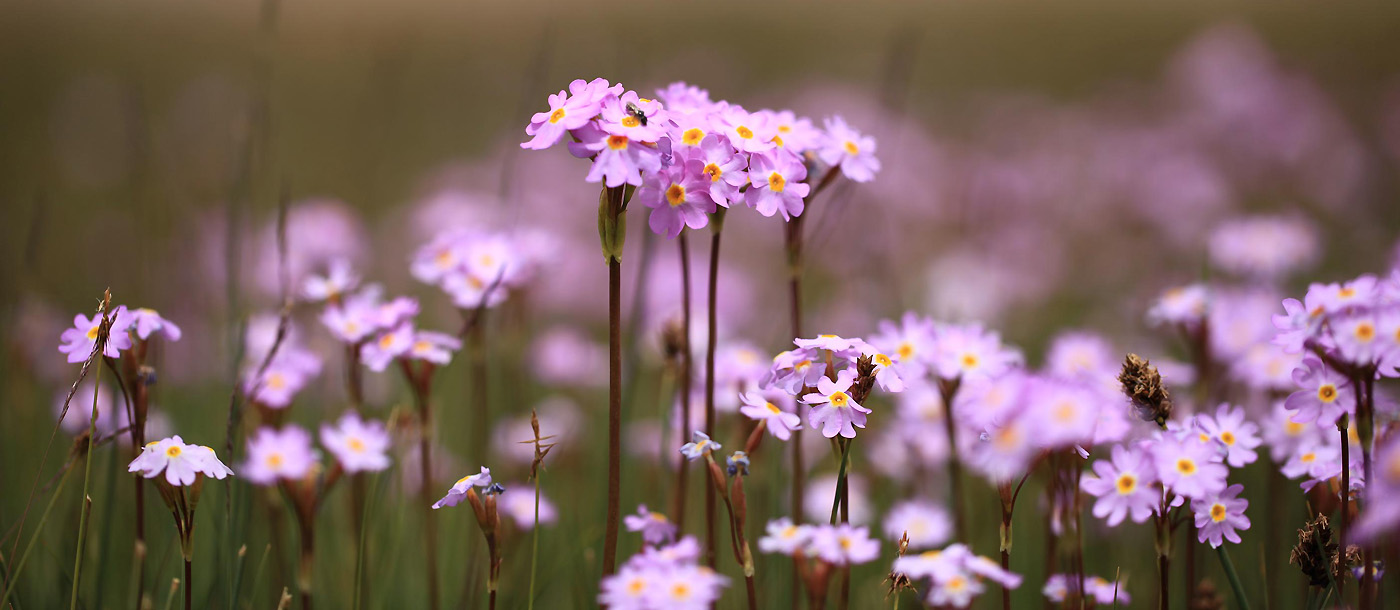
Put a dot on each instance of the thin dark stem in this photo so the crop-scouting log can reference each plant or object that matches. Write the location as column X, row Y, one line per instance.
column 476, row 343
column 710, row 387
column 684, row 378
column 793, row 240
column 1164, row 574
column 354, row 380
column 1366, row 427
column 949, row 390
column 614, row 395
column 1342, row 425
column 189, row 588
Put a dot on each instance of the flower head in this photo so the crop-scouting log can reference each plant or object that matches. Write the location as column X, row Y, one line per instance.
column 843, row 544
column 1221, row 515
column 1239, row 436
column 776, row 184
column 1123, row 486
column 182, row 464
column 146, row 322
column 834, row 411
column 679, row 197
column 656, row 529
column 1189, row 467
column 359, row 446
column 566, row 112
column 459, row 490
column 79, row 341
column 1324, row 394
column 699, row 445
column 848, row 149
column 340, row 279
column 784, row 537
column 780, row 423
column 275, row 455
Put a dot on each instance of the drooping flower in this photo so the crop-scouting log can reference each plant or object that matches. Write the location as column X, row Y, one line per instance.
column 182, row 464
column 1123, row 486
column 656, row 529
column 699, row 445
column 776, row 184
column 759, row 408
column 1221, row 515
column 458, row 492
column 146, row 322
column 79, row 341
column 275, row 455
column 848, row 149
column 834, row 411
column 359, row 446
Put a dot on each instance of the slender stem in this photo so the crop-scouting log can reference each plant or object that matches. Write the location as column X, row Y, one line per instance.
column 189, row 585
column 792, row 233
column 949, row 390
column 87, row 476
column 710, row 338
column 1365, row 422
column 1241, row 601
column 534, row 547
column 1163, row 573
column 610, row 534
column 683, row 376
column 836, row 502
column 353, row 377
column 476, row 344
column 425, row 459
column 1342, row 425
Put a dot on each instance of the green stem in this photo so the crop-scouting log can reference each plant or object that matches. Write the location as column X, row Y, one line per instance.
column 1240, row 600
column 534, row 547
column 87, row 477
column 24, row 557
column 845, row 446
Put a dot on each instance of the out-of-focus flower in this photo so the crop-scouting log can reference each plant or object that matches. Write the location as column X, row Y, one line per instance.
column 954, row 574
column 79, row 341
column 1221, row 515
column 784, row 537
column 927, row 524
column 458, row 492
column 1189, row 467
column 780, row 423
column 699, row 445
column 391, row 344
column 146, row 322
column 275, row 454
column 1382, row 514
column 968, row 351
column 182, row 464
column 848, row 149
column 844, row 544
column 1185, row 305
column 340, row 279
column 518, row 501
column 111, row 417
column 564, row 355
column 1264, row 247
column 359, row 446
column 656, row 529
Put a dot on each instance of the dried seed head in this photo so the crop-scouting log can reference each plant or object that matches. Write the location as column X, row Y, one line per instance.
column 1315, row 551
column 865, row 379
column 1143, row 385
column 1205, row 597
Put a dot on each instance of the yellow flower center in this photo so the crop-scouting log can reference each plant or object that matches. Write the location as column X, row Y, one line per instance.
column 274, row 460
column 1065, row 412
column 772, row 408
column 693, row 136
column 1293, row 428
column 630, row 121
column 1007, row 438
column 1327, row 393
column 883, row 360
column 905, row 351
column 969, row 361
column 778, row 141
column 675, row 195
column 776, row 182
column 1126, row 484
column 173, row 451
column 1365, row 332
column 1217, row 512
column 386, row 341
column 422, row 346
column 636, row 586
column 557, row 115
column 956, row 583
column 1347, row 292
column 357, row 445
column 680, row 591
column 276, row 381
column 851, row 148
column 92, row 332
column 658, row 517
column 845, row 543
column 1227, row 437
column 1307, row 458
column 802, row 366
column 744, row 132
column 444, row 258
column 714, row 172
column 839, row 399
column 790, row 531
column 617, row 142
column 1186, row 466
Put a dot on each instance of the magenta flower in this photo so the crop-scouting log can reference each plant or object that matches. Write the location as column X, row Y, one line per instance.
column 780, row 422
column 724, row 168
column 147, row 322
column 844, row 544
column 359, row 446
column 458, row 492
column 1231, row 429
column 182, row 464
column 1189, row 467
column 689, row 129
column 833, row 409
column 79, row 341
column 379, row 353
column 679, row 197
column 846, row 148
column 749, row 133
column 275, row 454
column 684, row 97
column 637, row 119
column 617, row 159
column 776, row 184
column 566, row 112
column 1123, row 486
column 1221, row 515
column 656, row 529
column 1324, row 394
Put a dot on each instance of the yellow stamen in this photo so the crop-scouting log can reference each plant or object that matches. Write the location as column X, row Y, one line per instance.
column 776, row 182
column 693, row 136
column 744, row 132
column 617, row 142
column 675, row 195
column 1217, row 512
column 1126, row 484
column 557, row 115
column 851, row 148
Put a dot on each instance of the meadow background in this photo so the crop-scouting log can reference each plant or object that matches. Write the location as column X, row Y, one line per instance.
column 1047, row 167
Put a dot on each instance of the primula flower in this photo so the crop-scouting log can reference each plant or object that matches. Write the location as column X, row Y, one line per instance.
column 679, row 197
column 1189, row 467
column 1264, row 247
column 633, row 587
column 379, row 353
column 439, row 257
column 1335, row 298
column 908, row 343
column 146, row 322
column 1103, row 591
column 520, row 505
column 968, row 351
column 1221, row 515
column 955, row 574
column 655, row 527
column 834, row 411
column 1312, row 460
column 458, row 492
column 340, row 278
column 617, row 159
column 1299, row 322
column 1181, row 305
column 1324, row 395
column 1382, row 514
column 846, row 148
column 566, row 112
column 795, row 133
column 684, row 97
column 796, row 369
column 351, row 323
column 285, row 376
column 1062, row 413
column 433, row 347
column 782, row 536
column 1358, row 338
column 843, row 544
column 776, row 184
column 181, row 463
column 1123, row 486
column 722, row 168
column 359, row 446
column 748, row 133
column 639, row 120
column 1230, row 427
column 1284, row 436
column 275, row 454
column 699, row 445
column 79, row 341
column 927, row 524
column 758, row 408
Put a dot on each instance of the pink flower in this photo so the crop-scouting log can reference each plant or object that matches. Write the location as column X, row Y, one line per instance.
column 846, row 148
column 434, row 347
column 968, row 351
column 637, row 119
column 679, row 197
column 79, row 341
column 1324, row 395
column 566, row 112
column 844, row 544
column 340, row 279
column 182, row 464
column 1181, row 305
column 617, row 159
column 1188, row 467
column 782, row 536
column 749, row 133
column 776, row 185
column 927, row 524
column 1221, row 515
column 796, row 369
column 458, row 492
column 519, row 502
column 275, row 454
column 379, row 353
column 358, row 445
column 1123, row 486
column 722, row 166
column 656, row 529
column 908, row 343
column 794, row 133
column 1231, row 429
column 683, row 97
column 780, row 422
column 147, row 322
column 837, row 412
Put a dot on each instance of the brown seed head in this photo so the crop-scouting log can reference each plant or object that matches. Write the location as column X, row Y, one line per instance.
column 1315, row 551
column 1143, row 386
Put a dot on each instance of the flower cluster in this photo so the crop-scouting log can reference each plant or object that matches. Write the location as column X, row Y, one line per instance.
column 140, row 324
column 831, row 374
column 274, row 383
column 663, row 576
column 476, row 268
column 954, row 575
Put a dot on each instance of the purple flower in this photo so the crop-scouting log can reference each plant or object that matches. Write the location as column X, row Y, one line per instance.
column 908, row 343
column 566, row 112
column 275, row 454
column 968, row 351
column 656, row 529
column 794, row 133
column 285, row 376
column 1230, row 427
column 1181, row 305
column 79, row 341
column 780, row 422
column 1062, row 413
column 637, row 119
column 1264, row 247
column 434, row 347
column 358, row 445
column 377, row 354
column 1123, row 486
column 699, row 445
column 147, row 322
column 1189, row 467
column 1221, row 515
column 1324, row 395
column 1358, row 338
column 749, row 133
column 834, row 411
column 723, row 167
column 1382, row 514
column 679, row 197
column 776, row 184
column 520, row 505
column 182, row 464
column 683, row 97
column 617, row 159
column 847, row 148
column 340, row 279
column 844, row 544
column 782, row 536
column 796, row 369
column 352, row 322
column 458, row 492
column 927, row 524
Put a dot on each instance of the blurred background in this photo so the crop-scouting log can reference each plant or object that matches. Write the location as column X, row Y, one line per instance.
column 1045, row 167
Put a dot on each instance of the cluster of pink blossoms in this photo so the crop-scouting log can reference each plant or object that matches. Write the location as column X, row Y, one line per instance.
column 276, row 454
column 803, row 373
column 663, row 576
column 79, row 341
column 954, row 576
column 689, row 155
column 476, row 268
